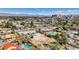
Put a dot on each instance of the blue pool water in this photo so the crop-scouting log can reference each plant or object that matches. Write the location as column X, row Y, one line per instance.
column 27, row 45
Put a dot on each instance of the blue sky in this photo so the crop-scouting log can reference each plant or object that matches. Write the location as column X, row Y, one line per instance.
column 40, row 11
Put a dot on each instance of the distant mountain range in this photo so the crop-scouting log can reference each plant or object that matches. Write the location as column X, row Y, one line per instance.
column 9, row 14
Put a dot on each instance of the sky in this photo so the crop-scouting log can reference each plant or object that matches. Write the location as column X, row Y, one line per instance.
column 40, row 11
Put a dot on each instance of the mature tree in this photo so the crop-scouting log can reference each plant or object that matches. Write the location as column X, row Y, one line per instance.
column 23, row 23
column 32, row 24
